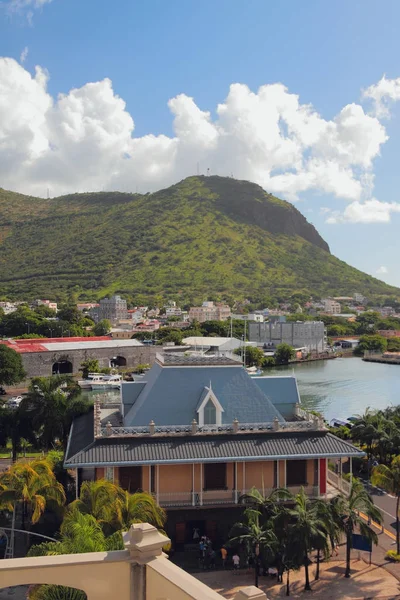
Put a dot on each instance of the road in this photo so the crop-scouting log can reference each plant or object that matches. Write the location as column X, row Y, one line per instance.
column 387, row 505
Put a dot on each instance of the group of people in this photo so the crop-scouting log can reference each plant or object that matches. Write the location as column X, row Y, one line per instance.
column 207, row 553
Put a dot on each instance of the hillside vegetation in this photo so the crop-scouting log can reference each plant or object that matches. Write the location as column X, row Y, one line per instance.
column 204, row 236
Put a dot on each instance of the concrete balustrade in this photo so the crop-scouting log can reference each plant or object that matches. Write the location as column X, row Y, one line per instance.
column 140, row 572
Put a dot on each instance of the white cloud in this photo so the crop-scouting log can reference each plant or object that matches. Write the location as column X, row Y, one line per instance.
column 382, row 270
column 24, row 55
column 370, row 211
column 382, row 94
column 84, row 141
column 23, row 8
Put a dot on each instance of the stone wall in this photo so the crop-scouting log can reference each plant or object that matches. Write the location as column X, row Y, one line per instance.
column 41, row 363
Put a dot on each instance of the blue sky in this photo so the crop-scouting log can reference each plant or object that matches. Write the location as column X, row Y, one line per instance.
column 337, row 160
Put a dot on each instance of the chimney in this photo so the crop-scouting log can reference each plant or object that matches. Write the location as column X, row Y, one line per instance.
column 152, row 427
column 235, row 425
column 194, row 426
column 275, row 424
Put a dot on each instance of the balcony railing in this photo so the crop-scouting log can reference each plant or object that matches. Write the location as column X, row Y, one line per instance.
column 219, row 497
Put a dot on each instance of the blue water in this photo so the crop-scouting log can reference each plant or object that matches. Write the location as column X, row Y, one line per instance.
column 344, row 387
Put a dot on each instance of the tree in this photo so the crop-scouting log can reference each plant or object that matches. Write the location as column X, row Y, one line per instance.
column 308, row 518
column 349, row 510
column 388, row 478
column 79, row 534
column 90, row 365
column 258, row 538
column 114, row 508
column 51, row 405
column 34, row 485
column 11, row 367
column 284, row 353
column 371, row 343
column 16, row 427
column 254, row 356
column 103, row 327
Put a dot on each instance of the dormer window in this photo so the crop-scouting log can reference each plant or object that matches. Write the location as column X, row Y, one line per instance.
column 209, row 410
column 210, row 413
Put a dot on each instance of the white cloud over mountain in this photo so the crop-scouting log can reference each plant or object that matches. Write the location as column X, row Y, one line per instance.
column 84, row 141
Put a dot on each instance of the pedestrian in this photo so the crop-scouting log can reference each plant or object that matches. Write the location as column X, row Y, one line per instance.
column 236, row 562
column 224, row 555
column 211, row 555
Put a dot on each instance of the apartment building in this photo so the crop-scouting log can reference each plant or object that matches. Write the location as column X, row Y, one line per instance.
column 308, row 334
column 210, row 311
column 114, row 309
column 331, row 307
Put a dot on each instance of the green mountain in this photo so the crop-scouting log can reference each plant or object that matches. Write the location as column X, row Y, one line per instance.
column 205, row 236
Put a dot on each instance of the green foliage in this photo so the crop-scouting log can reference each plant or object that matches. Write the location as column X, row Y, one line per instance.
column 393, row 344
column 11, row 368
column 102, row 327
column 90, row 365
column 371, row 343
column 268, row 361
column 27, row 323
column 254, row 356
column 392, row 555
column 284, row 353
column 211, row 233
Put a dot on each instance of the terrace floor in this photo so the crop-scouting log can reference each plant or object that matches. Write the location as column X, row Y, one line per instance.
column 366, row 582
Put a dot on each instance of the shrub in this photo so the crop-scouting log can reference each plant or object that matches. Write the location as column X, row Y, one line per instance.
column 268, row 361
column 392, row 555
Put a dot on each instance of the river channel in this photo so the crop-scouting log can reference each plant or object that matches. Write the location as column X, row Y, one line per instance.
column 344, row 387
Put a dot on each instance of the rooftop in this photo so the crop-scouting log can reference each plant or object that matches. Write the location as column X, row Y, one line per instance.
column 66, row 343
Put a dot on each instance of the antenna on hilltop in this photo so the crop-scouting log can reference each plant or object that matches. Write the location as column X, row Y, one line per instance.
column 48, row 194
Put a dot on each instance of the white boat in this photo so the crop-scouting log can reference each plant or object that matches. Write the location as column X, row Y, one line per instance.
column 253, row 371
column 108, row 382
column 86, row 384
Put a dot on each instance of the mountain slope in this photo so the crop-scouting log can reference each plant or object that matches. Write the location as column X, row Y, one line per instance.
column 202, row 236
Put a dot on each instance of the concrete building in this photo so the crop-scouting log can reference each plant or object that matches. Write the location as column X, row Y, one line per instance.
column 331, row 307
column 212, row 345
column 48, row 303
column 49, row 356
column 256, row 317
column 209, row 311
column 308, row 334
column 114, row 309
column 198, row 432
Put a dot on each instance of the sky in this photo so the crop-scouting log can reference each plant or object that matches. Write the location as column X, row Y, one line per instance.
column 299, row 97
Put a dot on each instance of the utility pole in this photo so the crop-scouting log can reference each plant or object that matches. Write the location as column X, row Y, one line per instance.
column 244, row 342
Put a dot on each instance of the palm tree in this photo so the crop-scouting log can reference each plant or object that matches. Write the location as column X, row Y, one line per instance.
column 51, row 405
column 349, row 509
column 114, row 508
column 14, row 426
column 79, row 534
column 140, row 508
column 258, row 538
column 365, row 430
column 389, row 479
column 308, row 523
column 34, row 485
column 267, row 505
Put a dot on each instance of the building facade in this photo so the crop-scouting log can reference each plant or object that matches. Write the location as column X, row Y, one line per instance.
column 308, row 334
column 210, row 311
column 197, row 433
column 331, row 307
column 114, row 309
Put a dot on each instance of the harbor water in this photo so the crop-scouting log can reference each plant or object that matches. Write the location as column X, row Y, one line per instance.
column 344, row 387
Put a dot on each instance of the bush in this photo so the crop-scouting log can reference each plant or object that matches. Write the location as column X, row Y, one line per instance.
column 268, row 361
column 392, row 555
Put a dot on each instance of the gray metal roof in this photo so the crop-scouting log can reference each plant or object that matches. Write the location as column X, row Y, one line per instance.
column 280, row 389
column 172, row 394
column 218, row 448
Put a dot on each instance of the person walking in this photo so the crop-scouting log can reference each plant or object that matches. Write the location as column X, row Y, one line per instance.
column 224, row 556
column 236, row 562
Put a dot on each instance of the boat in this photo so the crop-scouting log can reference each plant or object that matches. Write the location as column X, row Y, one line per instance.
column 253, row 371
column 86, row 384
column 108, row 382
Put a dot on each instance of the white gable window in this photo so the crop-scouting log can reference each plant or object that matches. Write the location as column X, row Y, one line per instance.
column 209, row 409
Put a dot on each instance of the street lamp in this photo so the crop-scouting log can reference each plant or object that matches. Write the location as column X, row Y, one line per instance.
column 29, row 327
column 51, row 331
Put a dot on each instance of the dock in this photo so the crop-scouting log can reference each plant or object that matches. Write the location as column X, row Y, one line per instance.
column 383, row 358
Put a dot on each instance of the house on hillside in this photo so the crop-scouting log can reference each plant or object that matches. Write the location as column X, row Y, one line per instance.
column 197, row 432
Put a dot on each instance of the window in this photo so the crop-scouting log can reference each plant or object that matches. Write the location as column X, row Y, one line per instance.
column 210, row 413
column 215, row 476
column 296, row 472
